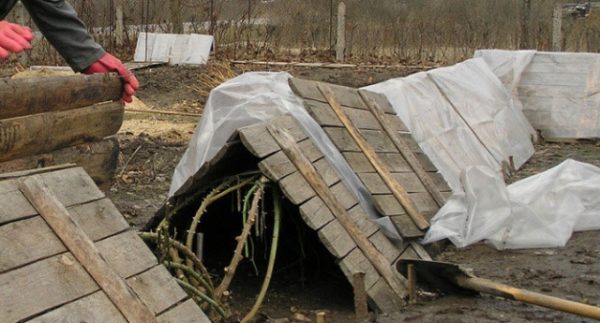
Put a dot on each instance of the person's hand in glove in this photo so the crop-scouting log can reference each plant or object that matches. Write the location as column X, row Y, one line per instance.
column 13, row 38
column 108, row 63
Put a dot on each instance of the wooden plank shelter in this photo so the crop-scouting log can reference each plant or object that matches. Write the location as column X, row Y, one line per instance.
column 379, row 148
column 48, row 120
column 376, row 145
column 68, row 255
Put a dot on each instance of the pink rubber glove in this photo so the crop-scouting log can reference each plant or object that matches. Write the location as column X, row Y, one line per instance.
column 108, row 63
column 13, row 38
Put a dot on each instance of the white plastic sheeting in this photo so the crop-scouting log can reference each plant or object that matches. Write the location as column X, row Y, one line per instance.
column 541, row 211
column 488, row 108
column 560, row 92
column 461, row 116
column 253, row 98
column 188, row 49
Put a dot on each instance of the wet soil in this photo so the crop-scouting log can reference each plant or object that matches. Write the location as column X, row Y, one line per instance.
column 151, row 146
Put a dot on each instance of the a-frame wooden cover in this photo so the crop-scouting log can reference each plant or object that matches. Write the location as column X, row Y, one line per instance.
column 42, row 281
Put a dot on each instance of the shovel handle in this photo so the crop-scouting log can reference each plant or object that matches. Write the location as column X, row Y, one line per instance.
column 509, row 292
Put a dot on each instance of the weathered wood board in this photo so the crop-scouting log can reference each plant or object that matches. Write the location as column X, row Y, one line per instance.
column 33, row 95
column 99, row 159
column 277, row 166
column 40, row 278
column 396, row 153
column 42, row 133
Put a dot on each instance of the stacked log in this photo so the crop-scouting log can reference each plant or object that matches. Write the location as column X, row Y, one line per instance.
column 47, row 121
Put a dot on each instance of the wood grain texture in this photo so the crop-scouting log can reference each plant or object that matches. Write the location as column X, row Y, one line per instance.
column 46, row 132
column 186, row 312
column 95, row 306
column 383, row 170
column 29, row 240
column 308, row 171
column 27, row 96
column 71, row 186
column 45, row 284
column 84, row 250
column 99, row 159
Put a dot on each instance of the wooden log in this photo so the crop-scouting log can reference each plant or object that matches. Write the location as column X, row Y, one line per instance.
column 383, row 170
column 46, row 132
column 27, row 96
column 58, row 218
column 288, row 145
column 99, row 159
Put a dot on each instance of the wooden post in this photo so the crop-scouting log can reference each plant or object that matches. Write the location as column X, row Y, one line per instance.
column 177, row 23
column 360, row 298
column 321, row 317
column 525, row 14
column 119, row 25
column 557, row 28
column 412, row 283
column 341, row 33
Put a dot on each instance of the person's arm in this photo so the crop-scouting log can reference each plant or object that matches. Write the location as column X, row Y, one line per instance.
column 59, row 23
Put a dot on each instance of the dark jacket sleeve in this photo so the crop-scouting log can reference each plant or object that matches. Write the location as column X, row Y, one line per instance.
column 59, row 23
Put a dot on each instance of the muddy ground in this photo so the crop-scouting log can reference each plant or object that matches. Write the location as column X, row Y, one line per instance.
column 152, row 145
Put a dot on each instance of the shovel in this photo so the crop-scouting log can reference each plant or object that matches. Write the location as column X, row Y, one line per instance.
column 451, row 278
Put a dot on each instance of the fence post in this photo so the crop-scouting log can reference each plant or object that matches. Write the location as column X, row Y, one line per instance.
column 341, row 33
column 119, row 25
column 557, row 28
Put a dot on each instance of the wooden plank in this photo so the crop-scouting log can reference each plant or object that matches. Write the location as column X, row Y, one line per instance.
column 336, row 239
column 96, row 306
column 14, row 205
column 58, row 218
column 398, row 191
column 405, row 151
column 388, row 205
column 406, row 227
column 384, row 298
column 425, row 162
column 362, row 221
column 278, row 165
column 46, row 132
column 157, row 289
column 28, row 172
column 29, row 240
column 360, row 164
column 99, row 159
column 257, row 140
column 385, row 246
column 308, row 90
column 287, row 144
column 45, row 284
column 297, row 190
column 344, row 141
column 72, row 186
column 27, row 96
column 315, row 213
column 356, row 262
column 321, row 112
column 376, row 184
column 186, row 312
column 126, row 254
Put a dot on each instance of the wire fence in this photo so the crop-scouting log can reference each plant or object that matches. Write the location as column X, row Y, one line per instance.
column 410, row 31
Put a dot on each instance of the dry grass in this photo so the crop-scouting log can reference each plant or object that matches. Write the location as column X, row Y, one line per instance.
column 215, row 74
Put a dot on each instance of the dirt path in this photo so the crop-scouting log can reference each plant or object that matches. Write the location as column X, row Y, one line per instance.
column 151, row 145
